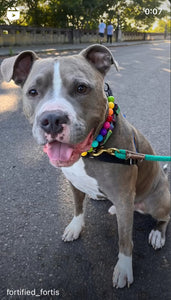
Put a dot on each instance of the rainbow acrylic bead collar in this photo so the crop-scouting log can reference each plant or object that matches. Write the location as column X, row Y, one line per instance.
column 108, row 125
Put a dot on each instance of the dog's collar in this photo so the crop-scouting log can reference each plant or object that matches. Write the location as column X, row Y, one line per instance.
column 105, row 133
column 108, row 126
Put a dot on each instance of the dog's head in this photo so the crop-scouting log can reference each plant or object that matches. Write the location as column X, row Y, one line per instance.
column 63, row 98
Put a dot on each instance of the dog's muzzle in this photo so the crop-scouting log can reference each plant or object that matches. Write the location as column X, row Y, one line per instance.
column 56, row 129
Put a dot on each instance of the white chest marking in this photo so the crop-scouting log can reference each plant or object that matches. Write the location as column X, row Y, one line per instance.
column 77, row 175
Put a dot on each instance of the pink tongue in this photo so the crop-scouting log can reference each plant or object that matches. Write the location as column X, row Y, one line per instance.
column 58, row 151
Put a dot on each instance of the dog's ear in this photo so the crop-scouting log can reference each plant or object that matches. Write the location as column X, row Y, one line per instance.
column 18, row 67
column 100, row 57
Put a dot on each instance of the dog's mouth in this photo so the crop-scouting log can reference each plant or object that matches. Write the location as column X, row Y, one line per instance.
column 65, row 155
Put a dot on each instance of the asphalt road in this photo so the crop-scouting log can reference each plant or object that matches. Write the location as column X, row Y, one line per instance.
column 36, row 202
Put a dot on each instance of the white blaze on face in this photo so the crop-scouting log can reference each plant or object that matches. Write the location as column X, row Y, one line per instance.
column 57, row 101
column 57, row 81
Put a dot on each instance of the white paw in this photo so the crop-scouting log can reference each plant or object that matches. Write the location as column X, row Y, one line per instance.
column 156, row 240
column 73, row 230
column 112, row 210
column 123, row 274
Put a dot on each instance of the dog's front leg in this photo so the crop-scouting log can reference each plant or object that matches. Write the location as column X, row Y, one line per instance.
column 123, row 273
column 73, row 230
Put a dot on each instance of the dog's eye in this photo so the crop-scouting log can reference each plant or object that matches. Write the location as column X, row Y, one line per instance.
column 33, row 92
column 81, row 89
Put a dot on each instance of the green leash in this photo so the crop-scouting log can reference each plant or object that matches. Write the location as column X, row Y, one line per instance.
column 126, row 154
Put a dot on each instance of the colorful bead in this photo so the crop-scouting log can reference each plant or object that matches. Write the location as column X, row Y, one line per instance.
column 91, row 149
column 111, row 99
column 107, row 136
column 110, row 112
column 118, row 110
column 103, row 131
column 99, row 138
column 111, row 105
column 109, row 119
column 107, row 128
column 95, row 144
column 106, row 125
column 83, row 153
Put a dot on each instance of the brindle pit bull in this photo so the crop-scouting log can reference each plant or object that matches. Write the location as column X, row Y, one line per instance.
column 65, row 101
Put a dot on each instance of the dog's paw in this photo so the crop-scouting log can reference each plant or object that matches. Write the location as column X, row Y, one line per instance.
column 112, row 210
column 156, row 240
column 123, row 274
column 73, row 230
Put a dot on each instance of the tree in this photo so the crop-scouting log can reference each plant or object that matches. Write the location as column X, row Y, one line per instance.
column 138, row 18
column 77, row 13
column 86, row 14
column 34, row 11
column 161, row 26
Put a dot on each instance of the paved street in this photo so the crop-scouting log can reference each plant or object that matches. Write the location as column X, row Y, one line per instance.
column 36, row 201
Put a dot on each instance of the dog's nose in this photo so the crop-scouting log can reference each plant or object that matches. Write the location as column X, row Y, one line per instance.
column 52, row 122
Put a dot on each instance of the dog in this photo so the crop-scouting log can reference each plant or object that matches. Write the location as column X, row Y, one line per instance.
column 65, row 101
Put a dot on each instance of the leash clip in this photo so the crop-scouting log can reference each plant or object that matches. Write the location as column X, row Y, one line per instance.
column 110, row 151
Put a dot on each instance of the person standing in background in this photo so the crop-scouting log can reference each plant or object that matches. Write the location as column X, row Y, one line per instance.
column 109, row 33
column 102, row 27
